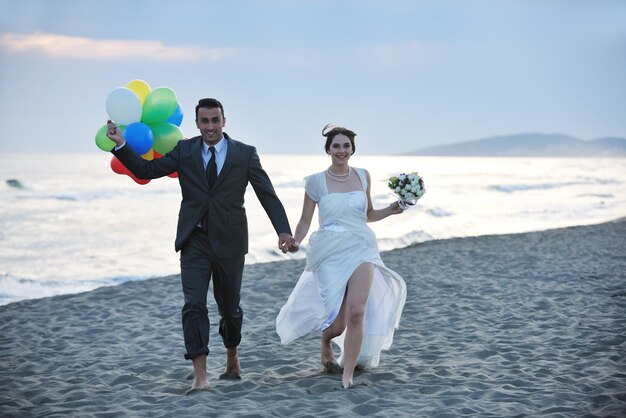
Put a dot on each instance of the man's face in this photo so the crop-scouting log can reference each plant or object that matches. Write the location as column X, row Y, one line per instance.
column 210, row 123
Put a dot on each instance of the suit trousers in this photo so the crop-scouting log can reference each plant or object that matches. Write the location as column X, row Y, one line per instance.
column 198, row 264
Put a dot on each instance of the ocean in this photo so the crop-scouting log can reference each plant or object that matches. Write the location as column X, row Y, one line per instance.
column 69, row 224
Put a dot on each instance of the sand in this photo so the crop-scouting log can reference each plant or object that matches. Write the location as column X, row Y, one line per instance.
column 530, row 324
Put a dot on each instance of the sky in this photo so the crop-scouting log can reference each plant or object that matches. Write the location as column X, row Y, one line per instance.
column 403, row 74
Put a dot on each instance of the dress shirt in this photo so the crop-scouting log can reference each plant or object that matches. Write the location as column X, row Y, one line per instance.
column 220, row 154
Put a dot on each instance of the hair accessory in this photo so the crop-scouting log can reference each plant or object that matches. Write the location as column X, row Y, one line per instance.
column 327, row 128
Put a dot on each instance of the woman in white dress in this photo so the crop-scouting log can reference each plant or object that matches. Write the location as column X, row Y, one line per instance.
column 345, row 290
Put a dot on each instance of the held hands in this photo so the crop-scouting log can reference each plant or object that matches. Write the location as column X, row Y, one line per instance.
column 286, row 243
column 114, row 133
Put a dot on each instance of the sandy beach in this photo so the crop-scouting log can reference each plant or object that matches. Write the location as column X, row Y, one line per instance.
column 530, row 324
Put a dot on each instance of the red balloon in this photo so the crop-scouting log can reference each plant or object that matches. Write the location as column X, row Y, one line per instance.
column 174, row 175
column 119, row 168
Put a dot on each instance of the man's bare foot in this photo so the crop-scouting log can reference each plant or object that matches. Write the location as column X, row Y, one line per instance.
column 200, row 384
column 200, row 379
column 233, row 368
column 347, row 383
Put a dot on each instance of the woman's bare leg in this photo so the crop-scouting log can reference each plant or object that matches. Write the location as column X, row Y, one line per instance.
column 355, row 301
column 334, row 330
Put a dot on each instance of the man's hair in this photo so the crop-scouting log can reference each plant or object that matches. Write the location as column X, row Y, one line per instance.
column 209, row 104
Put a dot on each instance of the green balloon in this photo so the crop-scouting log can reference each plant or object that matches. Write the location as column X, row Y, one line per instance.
column 104, row 143
column 166, row 136
column 159, row 105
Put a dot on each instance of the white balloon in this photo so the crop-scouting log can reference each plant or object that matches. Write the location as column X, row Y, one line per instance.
column 123, row 106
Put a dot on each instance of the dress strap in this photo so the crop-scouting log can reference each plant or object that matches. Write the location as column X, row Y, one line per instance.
column 321, row 183
column 362, row 176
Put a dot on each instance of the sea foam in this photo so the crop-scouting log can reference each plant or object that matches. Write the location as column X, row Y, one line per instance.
column 64, row 232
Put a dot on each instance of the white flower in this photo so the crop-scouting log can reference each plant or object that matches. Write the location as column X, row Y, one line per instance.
column 407, row 186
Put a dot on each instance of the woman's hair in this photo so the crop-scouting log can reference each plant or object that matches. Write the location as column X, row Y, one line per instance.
column 330, row 131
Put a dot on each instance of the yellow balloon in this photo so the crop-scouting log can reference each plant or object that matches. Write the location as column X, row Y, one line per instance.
column 140, row 88
column 148, row 155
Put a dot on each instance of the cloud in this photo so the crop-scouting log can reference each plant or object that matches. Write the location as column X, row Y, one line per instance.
column 382, row 56
column 61, row 46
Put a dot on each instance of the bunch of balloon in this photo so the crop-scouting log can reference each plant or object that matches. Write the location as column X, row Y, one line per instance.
column 149, row 120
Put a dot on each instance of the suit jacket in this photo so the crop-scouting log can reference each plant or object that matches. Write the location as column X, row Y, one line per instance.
column 227, row 222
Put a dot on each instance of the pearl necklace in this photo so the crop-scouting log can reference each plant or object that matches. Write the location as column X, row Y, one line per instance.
column 339, row 177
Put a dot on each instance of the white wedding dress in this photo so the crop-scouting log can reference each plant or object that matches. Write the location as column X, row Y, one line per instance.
column 342, row 242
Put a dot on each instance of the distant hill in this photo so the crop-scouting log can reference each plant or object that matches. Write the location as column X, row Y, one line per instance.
column 531, row 145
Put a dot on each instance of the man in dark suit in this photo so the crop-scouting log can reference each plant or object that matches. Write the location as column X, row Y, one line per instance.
column 212, row 234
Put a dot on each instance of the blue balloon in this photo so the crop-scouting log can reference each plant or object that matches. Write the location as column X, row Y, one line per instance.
column 139, row 136
column 177, row 116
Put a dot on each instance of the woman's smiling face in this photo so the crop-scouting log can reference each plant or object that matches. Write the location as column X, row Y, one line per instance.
column 340, row 149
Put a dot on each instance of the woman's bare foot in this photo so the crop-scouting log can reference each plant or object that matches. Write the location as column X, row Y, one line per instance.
column 328, row 358
column 347, row 383
column 332, row 367
column 327, row 352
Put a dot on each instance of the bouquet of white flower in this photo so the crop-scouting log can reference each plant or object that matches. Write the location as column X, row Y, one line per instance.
column 409, row 188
